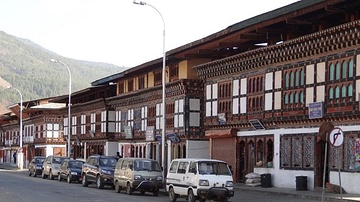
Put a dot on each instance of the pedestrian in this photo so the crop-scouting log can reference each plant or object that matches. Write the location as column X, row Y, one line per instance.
column 14, row 156
column 118, row 155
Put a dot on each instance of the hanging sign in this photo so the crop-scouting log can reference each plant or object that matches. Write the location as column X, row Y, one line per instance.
column 336, row 137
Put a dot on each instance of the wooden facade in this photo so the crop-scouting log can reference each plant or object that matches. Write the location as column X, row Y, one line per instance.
column 247, row 90
column 265, row 94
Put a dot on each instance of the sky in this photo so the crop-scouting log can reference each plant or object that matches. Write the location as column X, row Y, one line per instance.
column 120, row 32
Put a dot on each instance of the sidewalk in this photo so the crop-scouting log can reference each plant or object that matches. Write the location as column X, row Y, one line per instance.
column 309, row 194
column 10, row 166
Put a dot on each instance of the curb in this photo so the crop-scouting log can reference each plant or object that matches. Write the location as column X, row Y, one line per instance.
column 300, row 195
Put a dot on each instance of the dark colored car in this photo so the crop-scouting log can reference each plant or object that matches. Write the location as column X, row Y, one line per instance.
column 35, row 166
column 70, row 170
column 100, row 170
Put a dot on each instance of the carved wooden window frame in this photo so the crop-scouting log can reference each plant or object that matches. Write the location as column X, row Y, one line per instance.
column 174, row 72
column 158, row 78
column 297, row 151
column 141, row 82
column 225, row 97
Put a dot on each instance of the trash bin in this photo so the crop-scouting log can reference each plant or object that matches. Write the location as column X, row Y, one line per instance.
column 265, row 180
column 301, row 183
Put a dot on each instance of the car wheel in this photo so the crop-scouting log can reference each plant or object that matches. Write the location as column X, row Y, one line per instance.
column 68, row 179
column 172, row 195
column 156, row 192
column 59, row 178
column 84, row 181
column 117, row 187
column 191, row 196
column 129, row 189
column 51, row 176
column 99, row 183
column 43, row 176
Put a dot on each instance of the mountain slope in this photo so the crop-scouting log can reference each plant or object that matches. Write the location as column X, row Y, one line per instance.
column 27, row 67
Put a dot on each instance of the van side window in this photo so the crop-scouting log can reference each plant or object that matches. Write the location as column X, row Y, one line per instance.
column 173, row 167
column 182, row 167
column 192, row 167
column 124, row 165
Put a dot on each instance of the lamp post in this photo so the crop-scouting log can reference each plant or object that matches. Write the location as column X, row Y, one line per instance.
column 163, row 88
column 69, row 106
column 20, row 161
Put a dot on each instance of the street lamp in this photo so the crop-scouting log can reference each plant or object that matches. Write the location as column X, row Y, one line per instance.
column 163, row 88
column 69, row 106
column 20, row 161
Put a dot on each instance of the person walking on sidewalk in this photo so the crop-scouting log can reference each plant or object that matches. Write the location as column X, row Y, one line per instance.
column 14, row 156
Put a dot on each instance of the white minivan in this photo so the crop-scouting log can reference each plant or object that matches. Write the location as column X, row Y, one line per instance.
column 200, row 179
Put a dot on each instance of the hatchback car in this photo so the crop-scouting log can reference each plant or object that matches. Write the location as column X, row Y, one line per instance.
column 70, row 170
column 100, row 170
column 51, row 166
column 144, row 175
column 35, row 166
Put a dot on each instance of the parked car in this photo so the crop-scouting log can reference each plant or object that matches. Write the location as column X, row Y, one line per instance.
column 100, row 170
column 51, row 166
column 199, row 179
column 70, row 170
column 144, row 175
column 35, row 165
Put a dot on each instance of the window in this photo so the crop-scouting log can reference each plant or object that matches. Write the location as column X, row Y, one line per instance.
column 52, row 130
column 182, row 167
column 158, row 78
column 130, row 85
column 174, row 72
column 173, row 167
column 225, row 97
column 121, row 88
column 73, row 125
column 297, row 151
column 141, row 82
column 83, row 124
column 93, row 123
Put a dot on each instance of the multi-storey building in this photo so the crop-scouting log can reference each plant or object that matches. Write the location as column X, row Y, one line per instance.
column 42, row 130
column 266, row 92
column 270, row 108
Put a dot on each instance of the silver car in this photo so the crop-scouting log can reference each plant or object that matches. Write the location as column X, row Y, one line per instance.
column 51, row 166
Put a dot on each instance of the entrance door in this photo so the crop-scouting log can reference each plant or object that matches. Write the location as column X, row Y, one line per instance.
column 241, row 164
column 319, row 163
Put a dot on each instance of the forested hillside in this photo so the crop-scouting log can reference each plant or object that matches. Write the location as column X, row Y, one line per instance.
column 27, row 67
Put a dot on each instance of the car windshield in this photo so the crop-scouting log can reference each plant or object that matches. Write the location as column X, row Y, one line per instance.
column 213, row 168
column 58, row 160
column 108, row 162
column 75, row 164
column 39, row 160
column 146, row 165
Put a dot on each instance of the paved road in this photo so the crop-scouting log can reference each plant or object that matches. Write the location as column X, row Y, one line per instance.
column 17, row 186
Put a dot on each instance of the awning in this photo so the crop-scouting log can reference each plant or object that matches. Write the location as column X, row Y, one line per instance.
column 224, row 133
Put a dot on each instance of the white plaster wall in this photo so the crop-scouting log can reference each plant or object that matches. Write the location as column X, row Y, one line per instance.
column 197, row 149
column 349, row 181
column 50, row 149
column 287, row 178
column 111, row 148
